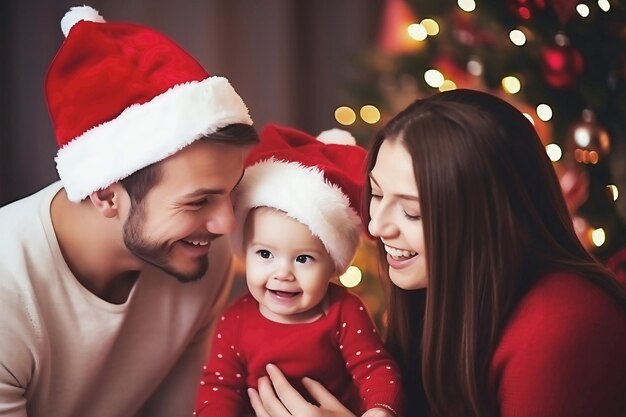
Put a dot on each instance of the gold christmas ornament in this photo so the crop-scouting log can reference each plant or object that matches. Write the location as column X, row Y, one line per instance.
column 588, row 140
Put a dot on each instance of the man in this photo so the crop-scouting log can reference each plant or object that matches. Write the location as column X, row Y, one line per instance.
column 111, row 279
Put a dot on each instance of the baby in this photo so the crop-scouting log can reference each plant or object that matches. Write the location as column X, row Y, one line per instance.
column 298, row 227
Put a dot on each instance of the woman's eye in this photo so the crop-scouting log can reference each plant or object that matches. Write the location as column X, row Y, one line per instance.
column 303, row 258
column 263, row 253
column 412, row 217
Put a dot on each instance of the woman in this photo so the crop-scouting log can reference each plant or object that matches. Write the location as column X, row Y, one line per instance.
column 496, row 309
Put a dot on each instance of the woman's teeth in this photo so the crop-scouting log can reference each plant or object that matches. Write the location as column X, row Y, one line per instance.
column 197, row 242
column 399, row 253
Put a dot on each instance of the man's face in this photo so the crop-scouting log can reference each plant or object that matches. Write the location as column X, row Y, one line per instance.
column 190, row 206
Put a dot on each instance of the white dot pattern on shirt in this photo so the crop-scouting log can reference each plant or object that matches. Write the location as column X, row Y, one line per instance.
column 343, row 325
column 358, row 353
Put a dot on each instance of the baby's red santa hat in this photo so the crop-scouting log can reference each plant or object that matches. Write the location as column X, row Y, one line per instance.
column 123, row 96
column 316, row 183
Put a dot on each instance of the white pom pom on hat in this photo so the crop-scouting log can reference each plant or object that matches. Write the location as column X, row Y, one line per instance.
column 336, row 136
column 78, row 13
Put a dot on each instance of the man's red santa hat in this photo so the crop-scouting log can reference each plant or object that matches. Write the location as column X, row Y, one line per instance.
column 123, row 96
column 318, row 182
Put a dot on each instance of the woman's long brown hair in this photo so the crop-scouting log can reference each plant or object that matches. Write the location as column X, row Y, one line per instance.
column 494, row 218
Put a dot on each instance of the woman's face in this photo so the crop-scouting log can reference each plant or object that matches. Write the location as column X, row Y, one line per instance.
column 396, row 215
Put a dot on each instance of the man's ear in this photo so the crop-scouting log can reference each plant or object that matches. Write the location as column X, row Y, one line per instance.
column 107, row 200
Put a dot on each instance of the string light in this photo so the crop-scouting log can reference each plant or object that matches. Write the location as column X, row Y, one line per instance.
column 345, row 115
column 554, row 152
column 582, row 137
column 511, row 84
column 604, row 5
column 544, row 112
column 467, row 5
column 417, row 32
column 431, row 26
column 434, row 78
column 475, row 68
column 352, row 277
column 586, row 157
column 598, row 237
column 583, row 10
column 530, row 118
column 613, row 190
column 370, row 114
column 447, row 85
column 517, row 37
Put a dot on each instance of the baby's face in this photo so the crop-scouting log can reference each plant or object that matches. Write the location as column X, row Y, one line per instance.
column 287, row 267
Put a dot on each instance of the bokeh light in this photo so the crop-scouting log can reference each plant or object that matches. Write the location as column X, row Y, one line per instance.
column 370, row 114
column 345, row 115
column 352, row 277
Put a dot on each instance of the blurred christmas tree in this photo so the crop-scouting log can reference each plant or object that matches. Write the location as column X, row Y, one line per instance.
column 561, row 62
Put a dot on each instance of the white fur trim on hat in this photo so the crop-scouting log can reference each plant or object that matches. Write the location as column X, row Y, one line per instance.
column 147, row 133
column 305, row 195
column 76, row 14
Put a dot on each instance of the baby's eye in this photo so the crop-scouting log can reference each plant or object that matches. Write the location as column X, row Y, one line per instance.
column 264, row 253
column 303, row 258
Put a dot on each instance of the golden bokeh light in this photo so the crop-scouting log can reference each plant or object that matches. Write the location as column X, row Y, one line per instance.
column 431, row 26
column 345, row 115
column 370, row 114
column 554, row 152
column 352, row 277
column 511, row 84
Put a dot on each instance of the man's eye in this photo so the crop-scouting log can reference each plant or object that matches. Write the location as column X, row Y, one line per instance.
column 197, row 203
column 263, row 253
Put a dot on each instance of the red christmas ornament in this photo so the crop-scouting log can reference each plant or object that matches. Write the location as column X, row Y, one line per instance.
column 588, row 140
column 561, row 64
column 526, row 9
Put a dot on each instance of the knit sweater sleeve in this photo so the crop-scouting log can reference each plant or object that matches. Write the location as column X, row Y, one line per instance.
column 223, row 385
column 563, row 354
column 18, row 354
column 375, row 373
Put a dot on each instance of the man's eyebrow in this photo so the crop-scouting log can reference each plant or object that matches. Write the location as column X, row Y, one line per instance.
column 203, row 191
column 206, row 191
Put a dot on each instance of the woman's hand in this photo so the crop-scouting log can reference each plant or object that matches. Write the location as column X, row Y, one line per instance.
column 287, row 401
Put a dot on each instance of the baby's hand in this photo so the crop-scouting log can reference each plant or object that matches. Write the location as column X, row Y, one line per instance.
column 378, row 412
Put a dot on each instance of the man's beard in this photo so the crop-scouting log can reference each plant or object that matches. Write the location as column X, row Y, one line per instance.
column 153, row 253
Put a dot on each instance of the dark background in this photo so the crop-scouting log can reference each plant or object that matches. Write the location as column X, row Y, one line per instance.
column 290, row 60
